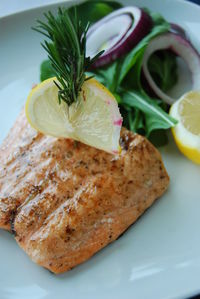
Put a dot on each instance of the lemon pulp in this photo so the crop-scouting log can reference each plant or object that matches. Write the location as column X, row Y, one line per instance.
column 93, row 119
column 187, row 132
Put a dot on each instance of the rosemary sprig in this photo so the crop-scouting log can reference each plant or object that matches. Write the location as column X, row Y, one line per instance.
column 66, row 48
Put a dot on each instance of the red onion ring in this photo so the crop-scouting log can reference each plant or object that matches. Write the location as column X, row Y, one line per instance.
column 175, row 28
column 184, row 49
column 122, row 29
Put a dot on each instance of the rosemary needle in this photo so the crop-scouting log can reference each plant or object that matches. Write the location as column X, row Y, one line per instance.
column 66, row 48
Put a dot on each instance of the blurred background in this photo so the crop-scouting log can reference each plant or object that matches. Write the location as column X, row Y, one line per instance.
column 7, row 8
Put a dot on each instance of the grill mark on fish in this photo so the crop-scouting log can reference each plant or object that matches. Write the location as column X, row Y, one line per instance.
column 12, row 220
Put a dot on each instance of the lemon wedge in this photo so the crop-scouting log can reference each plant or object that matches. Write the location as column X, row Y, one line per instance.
column 93, row 119
column 187, row 132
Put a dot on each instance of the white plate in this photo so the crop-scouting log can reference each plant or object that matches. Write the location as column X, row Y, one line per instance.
column 159, row 256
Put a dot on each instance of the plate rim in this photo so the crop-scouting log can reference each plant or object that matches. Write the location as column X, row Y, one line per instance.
column 63, row 2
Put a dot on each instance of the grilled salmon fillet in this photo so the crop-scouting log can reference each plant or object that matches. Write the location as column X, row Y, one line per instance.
column 64, row 200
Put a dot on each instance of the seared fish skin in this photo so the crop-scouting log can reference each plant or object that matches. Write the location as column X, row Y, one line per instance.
column 64, row 200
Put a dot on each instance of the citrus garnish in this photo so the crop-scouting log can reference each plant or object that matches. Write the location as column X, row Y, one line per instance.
column 187, row 132
column 93, row 119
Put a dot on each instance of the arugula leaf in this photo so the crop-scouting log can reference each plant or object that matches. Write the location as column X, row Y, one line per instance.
column 109, row 75
column 131, row 58
column 158, row 18
column 93, row 10
column 46, row 70
column 159, row 138
column 136, row 121
column 162, row 66
column 155, row 117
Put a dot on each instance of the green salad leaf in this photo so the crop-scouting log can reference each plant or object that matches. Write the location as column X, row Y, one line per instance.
column 162, row 66
column 137, row 53
column 155, row 117
column 93, row 10
column 46, row 70
column 159, row 137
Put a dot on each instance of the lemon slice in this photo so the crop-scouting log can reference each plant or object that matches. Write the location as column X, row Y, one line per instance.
column 187, row 132
column 93, row 119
